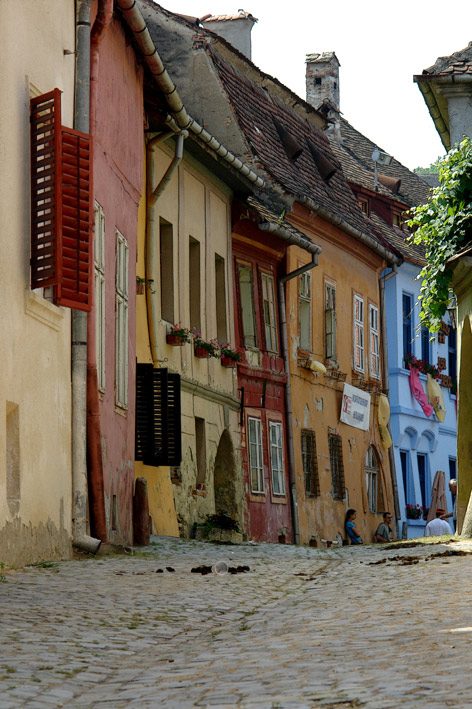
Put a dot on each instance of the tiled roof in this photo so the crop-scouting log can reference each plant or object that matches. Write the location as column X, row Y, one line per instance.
column 355, row 154
column 267, row 215
column 398, row 240
column 256, row 110
column 457, row 64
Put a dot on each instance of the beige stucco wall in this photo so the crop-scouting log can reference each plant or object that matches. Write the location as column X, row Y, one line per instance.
column 316, row 400
column 197, row 206
column 35, row 405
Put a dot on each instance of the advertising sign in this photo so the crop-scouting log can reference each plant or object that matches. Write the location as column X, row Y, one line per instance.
column 355, row 407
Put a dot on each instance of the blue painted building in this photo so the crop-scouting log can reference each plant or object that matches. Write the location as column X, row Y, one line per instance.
column 422, row 445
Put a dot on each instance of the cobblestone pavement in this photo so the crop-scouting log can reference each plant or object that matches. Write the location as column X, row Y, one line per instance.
column 358, row 626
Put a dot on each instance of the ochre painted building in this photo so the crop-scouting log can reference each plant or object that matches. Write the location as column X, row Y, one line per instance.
column 330, row 311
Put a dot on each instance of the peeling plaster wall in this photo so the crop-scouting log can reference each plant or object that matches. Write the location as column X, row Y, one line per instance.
column 35, row 396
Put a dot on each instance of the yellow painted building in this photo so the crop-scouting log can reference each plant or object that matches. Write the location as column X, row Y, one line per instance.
column 35, row 390
column 334, row 316
column 184, row 253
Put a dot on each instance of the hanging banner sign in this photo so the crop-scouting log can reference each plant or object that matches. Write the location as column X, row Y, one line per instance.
column 355, row 408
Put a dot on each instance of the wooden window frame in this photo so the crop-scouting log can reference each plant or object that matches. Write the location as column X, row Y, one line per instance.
column 269, row 318
column 250, row 266
column 121, row 320
column 305, row 297
column 259, row 467
column 330, row 314
column 358, row 330
column 100, row 294
column 374, row 342
column 280, row 471
column 336, row 462
column 310, row 463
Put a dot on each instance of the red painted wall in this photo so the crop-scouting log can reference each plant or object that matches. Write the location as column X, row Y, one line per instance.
column 268, row 514
column 118, row 171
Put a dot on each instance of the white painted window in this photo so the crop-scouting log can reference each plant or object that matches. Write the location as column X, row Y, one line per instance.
column 121, row 323
column 330, row 321
column 270, row 323
column 99, row 256
column 358, row 333
column 304, row 310
column 277, row 457
column 248, row 314
column 374, row 341
column 372, row 479
column 256, row 464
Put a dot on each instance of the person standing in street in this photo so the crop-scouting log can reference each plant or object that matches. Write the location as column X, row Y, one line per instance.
column 384, row 533
column 453, row 514
column 437, row 527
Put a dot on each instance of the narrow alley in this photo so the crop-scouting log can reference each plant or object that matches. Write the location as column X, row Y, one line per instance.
column 365, row 626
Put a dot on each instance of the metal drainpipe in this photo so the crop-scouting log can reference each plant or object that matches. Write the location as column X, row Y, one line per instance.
column 288, row 397
column 80, row 538
column 152, row 195
column 391, row 456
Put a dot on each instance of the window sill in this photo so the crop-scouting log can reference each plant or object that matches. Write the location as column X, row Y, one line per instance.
column 42, row 310
column 121, row 411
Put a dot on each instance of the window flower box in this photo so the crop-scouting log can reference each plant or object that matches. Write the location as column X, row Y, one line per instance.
column 201, row 352
column 229, row 355
column 228, row 361
column 204, row 348
column 177, row 335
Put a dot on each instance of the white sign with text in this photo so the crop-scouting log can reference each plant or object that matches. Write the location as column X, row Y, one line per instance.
column 355, row 408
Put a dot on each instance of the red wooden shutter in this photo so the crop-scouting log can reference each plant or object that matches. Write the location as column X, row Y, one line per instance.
column 77, row 213
column 61, row 205
column 45, row 189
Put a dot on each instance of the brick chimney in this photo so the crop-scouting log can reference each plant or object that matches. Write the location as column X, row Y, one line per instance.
column 235, row 29
column 322, row 87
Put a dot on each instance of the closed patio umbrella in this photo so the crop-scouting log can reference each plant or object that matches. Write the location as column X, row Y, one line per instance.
column 438, row 495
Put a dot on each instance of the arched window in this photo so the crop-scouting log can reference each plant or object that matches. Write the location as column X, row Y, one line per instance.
column 373, row 482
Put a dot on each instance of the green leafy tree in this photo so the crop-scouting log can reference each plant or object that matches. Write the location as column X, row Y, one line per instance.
column 443, row 225
column 432, row 169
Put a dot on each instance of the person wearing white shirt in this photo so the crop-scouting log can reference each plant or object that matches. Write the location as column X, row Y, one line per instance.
column 437, row 527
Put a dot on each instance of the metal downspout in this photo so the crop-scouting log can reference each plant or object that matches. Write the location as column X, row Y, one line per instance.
column 288, row 397
column 96, row 487
column 152, row 195
column 80, row 538
column 391, row 456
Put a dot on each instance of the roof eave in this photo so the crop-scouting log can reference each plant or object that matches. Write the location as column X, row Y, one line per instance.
column 429, row 97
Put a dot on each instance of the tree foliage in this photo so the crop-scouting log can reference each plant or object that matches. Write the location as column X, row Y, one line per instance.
column 432, row 169
column 443, row 225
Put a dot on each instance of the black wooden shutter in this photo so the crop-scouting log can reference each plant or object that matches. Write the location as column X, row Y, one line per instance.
column 158, row 424
column 174, row 437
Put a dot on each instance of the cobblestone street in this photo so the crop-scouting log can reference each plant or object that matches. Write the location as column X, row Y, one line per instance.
column 359, row 626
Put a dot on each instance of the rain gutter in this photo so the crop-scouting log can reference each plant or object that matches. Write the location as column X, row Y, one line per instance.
column 180, row 118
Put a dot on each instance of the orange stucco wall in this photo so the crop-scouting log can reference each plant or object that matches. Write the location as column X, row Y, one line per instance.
column 316, row 400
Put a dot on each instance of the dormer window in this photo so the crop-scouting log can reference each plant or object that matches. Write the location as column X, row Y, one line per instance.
column 397, row 220
column 364, row 205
